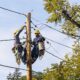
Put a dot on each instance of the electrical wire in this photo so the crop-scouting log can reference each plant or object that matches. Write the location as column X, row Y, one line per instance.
column 3, row 40
column 58, row 43
column 23, row 38
column 53, row 40
column 54, row 49
column 12, row 67
column 45, row 37
column 61, row 31
column 54, row 55
column 56, row 29
column 13, row 11
column 25, row 69
column 57, row 57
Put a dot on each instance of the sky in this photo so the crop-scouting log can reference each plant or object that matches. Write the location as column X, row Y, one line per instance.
column 9, row 22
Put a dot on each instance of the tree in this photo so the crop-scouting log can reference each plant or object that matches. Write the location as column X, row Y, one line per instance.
column 23, row 78
column 35, row 76
column 14, row 76
column 69, row 69
column 62, row 11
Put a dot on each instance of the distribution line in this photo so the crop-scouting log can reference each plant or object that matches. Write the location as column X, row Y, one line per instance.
column 25, row 69
column 61, row 31
column 57, row 57
column 53, row 40
column 45, row 37
column 12, row 67
column 3, row 40
column 58, row 43
column 55, row 50
column 47, row 26
column 13, row 11
column 54, row 55
column 56, row 30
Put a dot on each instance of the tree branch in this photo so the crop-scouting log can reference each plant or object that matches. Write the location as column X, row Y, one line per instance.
column 70, row 18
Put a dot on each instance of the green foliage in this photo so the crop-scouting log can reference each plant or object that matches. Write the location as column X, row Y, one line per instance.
column 55, row 9
column 69, row 69
column 23, row 78
column 70, row 28
column 14, row 76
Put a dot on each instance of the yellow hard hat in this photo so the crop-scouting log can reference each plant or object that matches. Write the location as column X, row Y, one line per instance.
column 16, row 32
column 37, row 32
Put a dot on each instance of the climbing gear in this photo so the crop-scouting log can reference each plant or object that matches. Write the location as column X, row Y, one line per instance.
column 17, row 55
column 41, row 47
column 18, row 60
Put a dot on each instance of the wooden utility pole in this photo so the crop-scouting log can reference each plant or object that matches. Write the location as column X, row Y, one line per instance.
column 28, row 47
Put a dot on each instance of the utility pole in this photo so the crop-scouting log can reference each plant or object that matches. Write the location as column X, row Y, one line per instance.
column 28, row 47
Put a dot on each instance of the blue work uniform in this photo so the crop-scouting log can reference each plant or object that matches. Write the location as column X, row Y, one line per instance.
column 17, row 43
column 35, row 51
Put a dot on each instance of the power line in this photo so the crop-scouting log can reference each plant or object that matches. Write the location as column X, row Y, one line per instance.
column 13, row 11
column 56, row 29
column 54, row 55
column 59, row 43
column 57, row 56
column 3, row 40
column 12, row 67
column 45, row 37
column 61, row 31
column 48, row 27
column 53, row 40
column 54, row 49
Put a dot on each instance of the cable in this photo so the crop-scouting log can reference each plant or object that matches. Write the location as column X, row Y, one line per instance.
column 53, row 40
column 52, row 28
column 56, row 30
column 61, row 31
column 3, row 40
column 57, row 57
column 35, row 26
column 54, row 55
column 58, row 43
column 45, row 37
column 12, row 67
column 13, row 11
column 54, row 49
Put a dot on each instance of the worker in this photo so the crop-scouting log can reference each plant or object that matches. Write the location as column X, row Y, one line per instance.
column 17, row 49
column 37, row 48
column 34, row 54
column 39, row 44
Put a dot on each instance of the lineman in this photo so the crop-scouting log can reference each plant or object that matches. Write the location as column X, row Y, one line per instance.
column 39, row 43
column 20, row 50
column 37, row 47
column 17, row 49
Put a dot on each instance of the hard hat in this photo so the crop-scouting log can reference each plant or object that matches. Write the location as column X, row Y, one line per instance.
column 37, row 32
column 16, row 32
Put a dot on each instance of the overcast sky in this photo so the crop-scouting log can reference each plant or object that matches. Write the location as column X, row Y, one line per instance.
column 9, row 22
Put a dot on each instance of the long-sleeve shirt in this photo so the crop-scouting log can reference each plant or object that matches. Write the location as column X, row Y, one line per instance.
column 16, row 37
column 38, row 39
